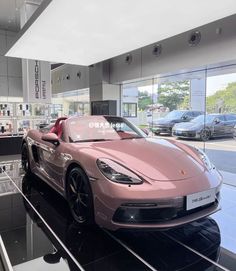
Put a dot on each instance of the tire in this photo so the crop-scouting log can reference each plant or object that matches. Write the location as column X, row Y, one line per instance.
column 80, row 197
column 205, row 134
column 25, row 159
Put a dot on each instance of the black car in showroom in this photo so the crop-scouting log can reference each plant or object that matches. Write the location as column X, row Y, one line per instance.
column 164, row 125
column 205, row 127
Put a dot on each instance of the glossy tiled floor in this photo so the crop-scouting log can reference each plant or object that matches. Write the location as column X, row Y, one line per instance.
column 39, row 233
column 1, row 265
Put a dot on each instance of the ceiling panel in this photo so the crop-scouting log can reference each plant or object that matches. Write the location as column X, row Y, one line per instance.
column 87, row 32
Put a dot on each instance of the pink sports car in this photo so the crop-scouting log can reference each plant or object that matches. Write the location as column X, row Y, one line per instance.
column 114, row 175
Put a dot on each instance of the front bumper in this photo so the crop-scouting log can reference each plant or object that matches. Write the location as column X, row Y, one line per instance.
column 161, row 129
column 133, row 207
column 168, row 224
column 143, row 216
column 185, row 133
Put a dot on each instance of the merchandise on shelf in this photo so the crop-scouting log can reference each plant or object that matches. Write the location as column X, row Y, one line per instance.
column 17, row 118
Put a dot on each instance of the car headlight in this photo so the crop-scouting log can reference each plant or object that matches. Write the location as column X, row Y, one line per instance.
column 205, row 159
column 117, row 173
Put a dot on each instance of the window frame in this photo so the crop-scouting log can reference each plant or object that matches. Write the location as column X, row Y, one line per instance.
column 136, row 110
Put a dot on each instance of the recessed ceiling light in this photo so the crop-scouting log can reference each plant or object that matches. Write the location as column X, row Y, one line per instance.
column 87, row 32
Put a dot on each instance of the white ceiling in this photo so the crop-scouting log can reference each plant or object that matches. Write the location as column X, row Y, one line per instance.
column 87, row 32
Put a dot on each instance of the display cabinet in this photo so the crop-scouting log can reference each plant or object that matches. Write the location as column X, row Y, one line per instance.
column 17, row 118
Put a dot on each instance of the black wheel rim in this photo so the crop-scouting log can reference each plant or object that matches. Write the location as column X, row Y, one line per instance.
column 78, row 196
column 205, row 135
column 24, row 159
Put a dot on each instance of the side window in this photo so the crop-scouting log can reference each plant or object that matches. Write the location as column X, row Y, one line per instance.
column 221, row 117
column 130, row 110
column 230, row 117
column 189, row 114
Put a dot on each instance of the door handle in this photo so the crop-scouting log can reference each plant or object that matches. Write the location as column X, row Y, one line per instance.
column 66, row 156
column 50, row 150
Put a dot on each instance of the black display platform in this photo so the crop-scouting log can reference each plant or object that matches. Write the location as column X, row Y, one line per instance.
column 10, row 145
column 38, row 232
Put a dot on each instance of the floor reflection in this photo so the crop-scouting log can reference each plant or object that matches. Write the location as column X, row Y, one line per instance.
column 96, row 250
column 29, row 241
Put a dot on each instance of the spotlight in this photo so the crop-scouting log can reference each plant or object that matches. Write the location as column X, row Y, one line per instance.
column 79, row 74
column 194, row 38
column 157, row 49
column 128, row 58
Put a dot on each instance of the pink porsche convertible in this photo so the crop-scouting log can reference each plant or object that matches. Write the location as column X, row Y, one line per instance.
column 113, row 175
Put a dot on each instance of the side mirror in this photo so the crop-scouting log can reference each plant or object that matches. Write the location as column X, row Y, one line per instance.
column 185, row 117
column 51, row 137
column 217, row 121
column 146, row 131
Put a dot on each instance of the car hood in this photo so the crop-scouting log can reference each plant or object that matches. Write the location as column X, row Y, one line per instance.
column 156, row 159
column 164, row 121
column 188, row 125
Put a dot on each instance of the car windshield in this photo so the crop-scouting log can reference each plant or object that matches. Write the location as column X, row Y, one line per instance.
column 102, row 128
column 175, row 114
column 204, row 118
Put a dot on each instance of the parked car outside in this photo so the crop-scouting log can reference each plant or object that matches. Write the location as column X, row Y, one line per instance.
column 165, row 125
column 112, row 174
column 205, row 127
column 235, row 132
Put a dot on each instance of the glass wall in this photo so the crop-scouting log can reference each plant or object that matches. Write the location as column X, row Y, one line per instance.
column 196, row 108
column 221, row 106
column 70, row 103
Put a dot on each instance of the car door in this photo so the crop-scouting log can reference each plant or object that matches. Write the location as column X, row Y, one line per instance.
column 219, row 125
column 53, row 160
column 197, row 113
column 230, row 123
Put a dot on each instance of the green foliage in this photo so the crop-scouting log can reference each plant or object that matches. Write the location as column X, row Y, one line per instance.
column 186, row 103
column 223, row 100
column 176, row 95
column 173, row 94
column 170, row 94
column 144, row 99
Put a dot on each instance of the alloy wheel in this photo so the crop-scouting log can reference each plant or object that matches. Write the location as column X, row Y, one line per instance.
column 79, row 196
column 205, row 135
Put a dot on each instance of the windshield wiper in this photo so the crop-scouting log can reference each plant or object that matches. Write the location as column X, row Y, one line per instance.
column 133, row 137
column 92, row 140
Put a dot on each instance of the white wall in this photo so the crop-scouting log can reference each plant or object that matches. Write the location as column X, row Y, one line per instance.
column 61, row 83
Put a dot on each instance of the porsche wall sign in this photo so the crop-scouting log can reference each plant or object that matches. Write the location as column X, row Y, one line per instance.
column 36, row 81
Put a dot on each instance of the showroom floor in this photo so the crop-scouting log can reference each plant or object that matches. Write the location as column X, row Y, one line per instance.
column 38, row 232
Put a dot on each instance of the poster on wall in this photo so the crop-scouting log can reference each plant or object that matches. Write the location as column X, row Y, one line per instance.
column 36, row 81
